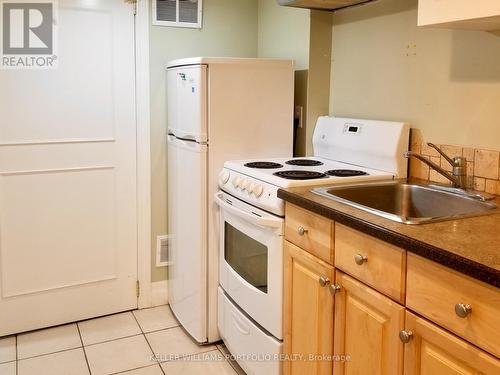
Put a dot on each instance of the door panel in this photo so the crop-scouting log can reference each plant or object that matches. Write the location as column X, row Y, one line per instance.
column 367, row 326
column 68, row 233
column 77, row 197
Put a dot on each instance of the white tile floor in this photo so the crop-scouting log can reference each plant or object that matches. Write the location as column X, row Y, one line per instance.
column 141, row 342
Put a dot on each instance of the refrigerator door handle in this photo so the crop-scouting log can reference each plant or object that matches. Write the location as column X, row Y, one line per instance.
column 261, row 221
column 186, row 144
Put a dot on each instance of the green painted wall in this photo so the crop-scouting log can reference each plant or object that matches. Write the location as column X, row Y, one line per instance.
column 229, row 29
column 445, row 82
column 284, row 33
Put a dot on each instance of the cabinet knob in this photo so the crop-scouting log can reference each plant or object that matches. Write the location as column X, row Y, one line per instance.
column 334, row 288
column 360, row 259
column 463, row 310
column 323, row 281
column 405, row 336
column 301, row 231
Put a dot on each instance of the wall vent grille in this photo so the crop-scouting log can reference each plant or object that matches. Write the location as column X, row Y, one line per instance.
column 162, row 251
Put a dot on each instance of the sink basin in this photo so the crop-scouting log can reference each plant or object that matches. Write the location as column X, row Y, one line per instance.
column 408, row 203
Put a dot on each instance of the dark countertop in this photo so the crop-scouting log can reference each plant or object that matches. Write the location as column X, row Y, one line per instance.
column 470, row 246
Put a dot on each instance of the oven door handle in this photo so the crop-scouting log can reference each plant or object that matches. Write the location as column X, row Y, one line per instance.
column 263, row 222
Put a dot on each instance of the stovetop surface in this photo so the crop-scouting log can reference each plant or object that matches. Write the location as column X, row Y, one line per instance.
column 322, row 166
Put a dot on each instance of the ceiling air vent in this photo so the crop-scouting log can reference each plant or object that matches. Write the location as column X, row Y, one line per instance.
column 322, row 4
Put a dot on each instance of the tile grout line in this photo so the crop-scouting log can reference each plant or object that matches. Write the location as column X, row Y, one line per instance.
column 111, row 340
column 83, row 348
column 46, row 354
column 147, row 341
column 228, row 360
column 136, row 368
column 17, row 361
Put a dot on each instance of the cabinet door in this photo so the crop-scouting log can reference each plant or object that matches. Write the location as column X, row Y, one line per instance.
column 460, row 14
column 367, row 326
column 308, row 314
column 432, row 350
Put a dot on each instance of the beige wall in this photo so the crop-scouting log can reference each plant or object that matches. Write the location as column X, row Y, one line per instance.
column 446, row 83
column 283, row 32
column 229, row 29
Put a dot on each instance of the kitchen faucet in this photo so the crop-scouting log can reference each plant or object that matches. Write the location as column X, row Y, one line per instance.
column 458, row 176
column 459, row 164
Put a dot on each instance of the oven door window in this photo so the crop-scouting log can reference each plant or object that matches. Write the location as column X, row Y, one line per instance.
column 246, row 257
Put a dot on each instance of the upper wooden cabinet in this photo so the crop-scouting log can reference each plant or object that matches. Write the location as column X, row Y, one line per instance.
column 460, row 14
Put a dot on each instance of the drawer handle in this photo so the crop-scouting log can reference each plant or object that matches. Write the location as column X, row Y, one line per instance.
column 463, row 310
column 240, row 326
column 334, row 288
column 301, row 231
column 323, row 281
column 360, row 259
column 405, row 336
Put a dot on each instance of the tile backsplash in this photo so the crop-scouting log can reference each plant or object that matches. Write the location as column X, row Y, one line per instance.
column 483, row 166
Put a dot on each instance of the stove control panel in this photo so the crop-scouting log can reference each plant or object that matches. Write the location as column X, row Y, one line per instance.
column 251, row 190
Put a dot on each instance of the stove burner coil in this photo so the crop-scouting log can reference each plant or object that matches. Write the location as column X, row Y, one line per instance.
column 304, row 162
column 345, row 173
column 299, row 175
column 263, row 165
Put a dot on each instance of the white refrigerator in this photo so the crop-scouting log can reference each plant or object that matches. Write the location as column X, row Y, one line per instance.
column 218, row 109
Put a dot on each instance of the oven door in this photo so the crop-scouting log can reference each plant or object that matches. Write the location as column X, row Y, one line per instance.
column 251, row 261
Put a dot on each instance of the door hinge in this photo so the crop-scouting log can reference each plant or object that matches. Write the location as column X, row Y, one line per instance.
column 137, row 288
column 134, row 4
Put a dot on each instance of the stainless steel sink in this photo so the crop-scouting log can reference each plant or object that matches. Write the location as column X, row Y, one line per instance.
column 408, row 203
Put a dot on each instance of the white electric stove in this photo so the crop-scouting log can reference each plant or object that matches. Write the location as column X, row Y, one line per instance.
column 257, row 182
column 252, row 226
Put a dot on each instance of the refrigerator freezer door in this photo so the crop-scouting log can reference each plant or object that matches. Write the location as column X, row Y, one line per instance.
column 187, row 219
column 187, row 102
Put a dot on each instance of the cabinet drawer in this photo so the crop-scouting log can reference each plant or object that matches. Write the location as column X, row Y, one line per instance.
column 371, row 261
column 435, row 292
column 310, row 232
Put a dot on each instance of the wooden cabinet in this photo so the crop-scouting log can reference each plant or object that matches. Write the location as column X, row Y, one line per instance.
column 460, row 14
column 442, row 295
column 432, row 350
column 374, row 262
column 310, row 232
column 373, row 298
column 308, row 312
column 367, row 326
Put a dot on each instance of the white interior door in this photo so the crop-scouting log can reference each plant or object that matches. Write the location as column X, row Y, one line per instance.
column 68, row 234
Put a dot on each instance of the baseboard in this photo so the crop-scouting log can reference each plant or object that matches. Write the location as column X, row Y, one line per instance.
column 159, row 293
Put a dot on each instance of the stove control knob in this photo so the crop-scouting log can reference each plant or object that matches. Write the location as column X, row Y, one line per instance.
column 244, row 184
column 224, row 177
column 258, row 190
column 251, row 188
column 236, row 181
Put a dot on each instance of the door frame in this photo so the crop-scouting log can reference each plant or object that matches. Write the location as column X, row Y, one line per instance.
column 143, row 153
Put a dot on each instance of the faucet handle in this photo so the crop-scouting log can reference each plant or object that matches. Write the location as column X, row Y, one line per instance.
column 460, row 161
column 448, row 159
